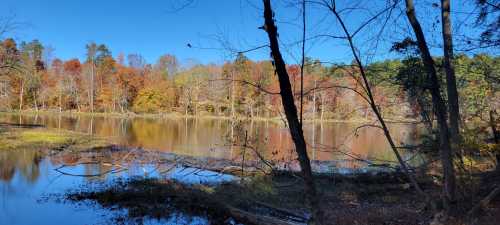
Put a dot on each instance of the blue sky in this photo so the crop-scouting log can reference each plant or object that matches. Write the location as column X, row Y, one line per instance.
column 125, row 26
column 153, row 28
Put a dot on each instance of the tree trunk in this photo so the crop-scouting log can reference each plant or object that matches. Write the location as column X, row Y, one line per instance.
column 232, row 94
column 78, row 106
column 446, row 155
column 376, row 110
column 60, row 100
column 251, row 110
column 493, row 124
column 425, row 115
column 35, row 97
column 92, row 86
column 314, row 101
column 496, row 138
column 323, row 106
column 21, row 94
column 290, row 109
column 451, row 86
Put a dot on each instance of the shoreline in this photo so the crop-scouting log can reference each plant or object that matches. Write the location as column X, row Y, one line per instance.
column 132, row 115
column 259, row 198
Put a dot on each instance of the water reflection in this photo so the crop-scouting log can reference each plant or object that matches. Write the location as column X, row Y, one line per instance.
column 332, row 146
column 24, row 162
column 215, row 138
column 26, row 176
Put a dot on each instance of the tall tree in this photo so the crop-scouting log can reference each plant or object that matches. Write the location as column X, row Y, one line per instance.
column 91, row 59
column 449, row 187
column 167, row 65
column 451, row 83
column 31, row 56
column 292, row 118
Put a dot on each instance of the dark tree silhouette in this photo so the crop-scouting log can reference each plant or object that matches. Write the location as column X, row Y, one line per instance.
column 291, row 111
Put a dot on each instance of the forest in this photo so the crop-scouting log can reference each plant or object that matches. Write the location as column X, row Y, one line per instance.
column 239, row 88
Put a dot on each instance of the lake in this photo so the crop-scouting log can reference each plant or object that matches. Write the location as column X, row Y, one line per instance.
column 327, row 141
column 28, row 179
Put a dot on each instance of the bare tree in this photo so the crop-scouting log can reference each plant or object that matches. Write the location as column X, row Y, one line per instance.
column 367, row 95
column 290, row 109
column 91, row 58
column 8, row 25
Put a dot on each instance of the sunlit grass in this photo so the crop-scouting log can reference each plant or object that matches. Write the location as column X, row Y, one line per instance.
column 42, row 139
column 45, row 137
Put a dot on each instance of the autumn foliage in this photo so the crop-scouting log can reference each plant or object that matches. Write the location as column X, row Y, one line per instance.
column 237, row 88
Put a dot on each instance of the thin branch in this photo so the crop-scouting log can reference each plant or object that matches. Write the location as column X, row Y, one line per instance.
column 303, row 60
column 258, row 86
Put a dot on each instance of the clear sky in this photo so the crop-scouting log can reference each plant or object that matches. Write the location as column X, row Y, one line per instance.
column 156, row 27
column 150, row 28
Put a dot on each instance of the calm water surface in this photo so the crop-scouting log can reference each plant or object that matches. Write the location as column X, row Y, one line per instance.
column 28, row 178
column 216, row 138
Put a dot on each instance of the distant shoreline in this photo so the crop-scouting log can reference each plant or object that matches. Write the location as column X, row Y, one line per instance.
column 130, row 115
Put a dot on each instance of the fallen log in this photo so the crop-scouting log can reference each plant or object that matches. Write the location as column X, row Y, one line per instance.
column 258, row 219
column 483, row 203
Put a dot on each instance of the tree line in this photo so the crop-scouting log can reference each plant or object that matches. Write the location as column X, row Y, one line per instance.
column 32, row 80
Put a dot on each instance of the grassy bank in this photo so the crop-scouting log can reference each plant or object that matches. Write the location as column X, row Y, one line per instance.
column 33, row 137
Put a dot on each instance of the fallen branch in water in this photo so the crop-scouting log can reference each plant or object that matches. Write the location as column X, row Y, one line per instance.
column 112, row 171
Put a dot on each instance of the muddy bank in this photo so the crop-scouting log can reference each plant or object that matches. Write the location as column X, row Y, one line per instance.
column 277, row 198
column 268, row 199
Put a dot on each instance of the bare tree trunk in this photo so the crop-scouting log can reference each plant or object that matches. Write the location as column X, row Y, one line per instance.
column 323, row 106
column 251, row 110
column 60, row 99
column 21, row 94
column 451, row 86
column 496, row 138
column 290, row 109
column 446, row 155
column 314, row 101
column 92, row 86
column 232, row 94
column 376, row 110
column 35, row 97
column 78, row 103
column 303, row 61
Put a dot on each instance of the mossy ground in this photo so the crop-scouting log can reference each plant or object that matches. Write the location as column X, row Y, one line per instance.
column 14, row 137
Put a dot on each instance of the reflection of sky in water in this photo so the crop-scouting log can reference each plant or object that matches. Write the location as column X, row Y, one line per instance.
column 192, row 175
column 20, row 200
column 35, row 201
